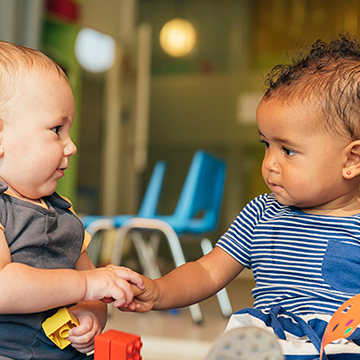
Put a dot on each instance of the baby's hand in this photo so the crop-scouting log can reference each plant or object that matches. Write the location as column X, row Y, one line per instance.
column 144, row 298
column 82, row 336
column 112, row 282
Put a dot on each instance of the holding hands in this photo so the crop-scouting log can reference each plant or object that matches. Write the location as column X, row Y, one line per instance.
column 145, row 297
column 112, row 284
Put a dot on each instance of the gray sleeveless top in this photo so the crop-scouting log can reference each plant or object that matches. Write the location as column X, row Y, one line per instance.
column 43, row 238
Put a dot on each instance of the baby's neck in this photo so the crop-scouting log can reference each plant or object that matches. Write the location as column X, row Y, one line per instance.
column 348, row 209
column 10, row 191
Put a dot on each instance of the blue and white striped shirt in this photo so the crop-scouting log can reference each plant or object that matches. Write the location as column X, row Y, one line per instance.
column 304, row 263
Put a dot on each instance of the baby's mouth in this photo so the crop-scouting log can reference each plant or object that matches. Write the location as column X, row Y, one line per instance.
column 275, row 188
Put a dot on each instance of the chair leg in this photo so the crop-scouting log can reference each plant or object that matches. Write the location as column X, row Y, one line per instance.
column 196, row 313
column 173, row 241
column 222, row 295
column 119, row 241
column 154, row 244
column 147, row 253
column 179, row 259
column 94, row 248
column 93, row 228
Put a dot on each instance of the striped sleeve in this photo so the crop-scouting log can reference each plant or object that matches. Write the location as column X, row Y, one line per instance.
column 237, row 241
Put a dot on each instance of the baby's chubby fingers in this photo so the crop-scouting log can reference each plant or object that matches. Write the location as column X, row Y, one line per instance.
column 82, row 336
column 81, row 332
column 125, row 281
column 137, row 290
column 128, row 274
column 112, row 282
column 144, row 298
column 83, row 342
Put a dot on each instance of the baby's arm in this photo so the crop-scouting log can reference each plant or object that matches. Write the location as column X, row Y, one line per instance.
column 25, row 289
column 92, row 316
column 187, row 284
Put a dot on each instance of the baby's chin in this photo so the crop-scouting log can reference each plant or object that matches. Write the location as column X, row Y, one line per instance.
column 285, row 202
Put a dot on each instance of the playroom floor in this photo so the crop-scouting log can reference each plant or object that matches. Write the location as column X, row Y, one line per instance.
column 174, row 335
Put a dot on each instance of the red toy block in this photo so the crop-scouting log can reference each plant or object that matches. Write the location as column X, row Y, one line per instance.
column 126, row 347
column 117, row 345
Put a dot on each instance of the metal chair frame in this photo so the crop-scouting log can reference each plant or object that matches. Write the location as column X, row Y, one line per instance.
column 202, row 193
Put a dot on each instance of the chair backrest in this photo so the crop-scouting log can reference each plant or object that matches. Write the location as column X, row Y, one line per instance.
column 149, row 204
column 200, row 201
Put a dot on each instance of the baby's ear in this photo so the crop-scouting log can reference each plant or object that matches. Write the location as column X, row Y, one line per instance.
column 352, row 166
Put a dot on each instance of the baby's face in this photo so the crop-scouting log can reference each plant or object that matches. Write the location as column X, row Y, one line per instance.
column 303, row 162
column 35, row 143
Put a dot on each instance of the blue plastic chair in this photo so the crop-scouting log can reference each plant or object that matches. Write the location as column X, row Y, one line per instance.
column 196, row 214
column 148, row 208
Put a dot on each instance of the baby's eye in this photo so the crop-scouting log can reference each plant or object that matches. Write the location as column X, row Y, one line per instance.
column 289, row 152
column 267, row 145
column 56, row 129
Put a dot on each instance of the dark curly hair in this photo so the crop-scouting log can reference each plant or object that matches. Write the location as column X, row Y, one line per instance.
column 328, row 74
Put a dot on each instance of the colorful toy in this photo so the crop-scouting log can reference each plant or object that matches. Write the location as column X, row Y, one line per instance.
column 343, row 323
column 57, row 327
column 117, row 345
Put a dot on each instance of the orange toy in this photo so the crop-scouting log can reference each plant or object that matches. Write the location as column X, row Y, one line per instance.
column 343, row 323
column 117, row 345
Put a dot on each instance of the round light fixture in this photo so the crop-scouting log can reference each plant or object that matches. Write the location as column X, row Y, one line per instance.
column 177, row 37
column 94, row 50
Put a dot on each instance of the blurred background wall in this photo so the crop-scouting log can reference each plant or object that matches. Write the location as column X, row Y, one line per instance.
column 150, row 105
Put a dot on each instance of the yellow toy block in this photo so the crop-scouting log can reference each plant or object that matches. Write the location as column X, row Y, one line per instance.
column 57, row 327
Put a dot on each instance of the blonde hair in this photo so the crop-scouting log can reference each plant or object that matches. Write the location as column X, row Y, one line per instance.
column 17, row 61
